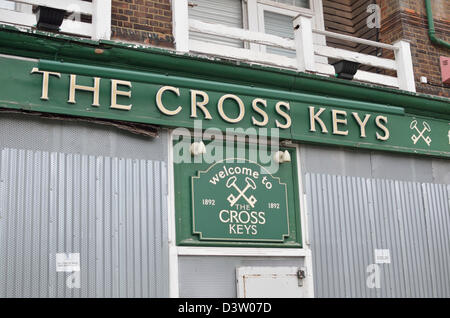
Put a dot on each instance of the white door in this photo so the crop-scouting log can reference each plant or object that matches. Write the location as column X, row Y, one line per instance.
column 271, row 282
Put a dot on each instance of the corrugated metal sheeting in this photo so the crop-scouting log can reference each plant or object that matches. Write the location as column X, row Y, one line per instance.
column 110, row 210
column 350, row 217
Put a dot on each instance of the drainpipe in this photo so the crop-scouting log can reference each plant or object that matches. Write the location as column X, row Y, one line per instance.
column 431, row 30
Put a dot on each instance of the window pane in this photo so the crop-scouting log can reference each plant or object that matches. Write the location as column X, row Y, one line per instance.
column 225, row 12
column 7, row 5
column 280, row 25
column 302, row 3
column 20, row 7
column 296, row 3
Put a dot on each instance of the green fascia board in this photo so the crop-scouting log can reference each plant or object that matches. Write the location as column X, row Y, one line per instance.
column 18, row 76
column 145, row 77
column 134, row 57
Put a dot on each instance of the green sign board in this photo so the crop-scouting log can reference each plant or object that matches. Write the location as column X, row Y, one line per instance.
column 174, row 101
column 240, row 202
column 237, row 202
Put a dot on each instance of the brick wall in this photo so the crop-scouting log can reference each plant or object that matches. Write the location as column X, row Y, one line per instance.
column 406, row 19
column 142, row 21
column 349, row 17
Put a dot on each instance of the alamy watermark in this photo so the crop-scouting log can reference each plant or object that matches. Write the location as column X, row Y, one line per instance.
column 373, row 279
column 382, row 256
column 374, row 19
column 213, row 145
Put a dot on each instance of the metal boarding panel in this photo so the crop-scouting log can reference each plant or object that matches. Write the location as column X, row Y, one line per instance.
column 352, row 216
column 112, row 211
column 437, row 215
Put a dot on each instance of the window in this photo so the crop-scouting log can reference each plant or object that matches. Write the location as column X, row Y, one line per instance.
column 225, row 12
column 11, row 5
column 277, row 21
column 296, row 3
column 7, row 5
column 266, row 16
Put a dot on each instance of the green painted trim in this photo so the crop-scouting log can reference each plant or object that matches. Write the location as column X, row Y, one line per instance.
column 431, row 29
column 183, row 211
column 17, row 78
column 42, row 45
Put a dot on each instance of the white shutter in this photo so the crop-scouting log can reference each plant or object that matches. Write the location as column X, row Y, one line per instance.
column 281, row 25
column 225, row 12
column 7, row 5
column 19, row 7
column 296, row 3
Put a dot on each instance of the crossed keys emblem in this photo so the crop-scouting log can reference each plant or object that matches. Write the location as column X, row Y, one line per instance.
column 231, row 183
column 426, row 127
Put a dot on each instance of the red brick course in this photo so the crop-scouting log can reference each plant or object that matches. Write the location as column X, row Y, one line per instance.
column 142, row 21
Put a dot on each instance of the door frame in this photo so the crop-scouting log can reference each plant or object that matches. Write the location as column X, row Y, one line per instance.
column 176, row 251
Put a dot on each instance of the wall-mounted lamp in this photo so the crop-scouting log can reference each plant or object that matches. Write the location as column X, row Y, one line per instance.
column 197, row 148
column 49, row 19
column 282, row 157
column 345, row 69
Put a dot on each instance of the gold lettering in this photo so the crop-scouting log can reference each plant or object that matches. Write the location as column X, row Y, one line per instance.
column 240, row 104
column 74, row 87
column 284, row 115
column 378, row 120
column 115, row 92
column 159, row 103
column 362, row 124
column 201, row 105
column 313, row 117
column 337, row 121
column 45, row 80
column 255, row 107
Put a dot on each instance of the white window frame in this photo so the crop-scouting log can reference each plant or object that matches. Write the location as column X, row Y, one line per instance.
column 253, row 17
column 315, row 9
column 262, row 8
